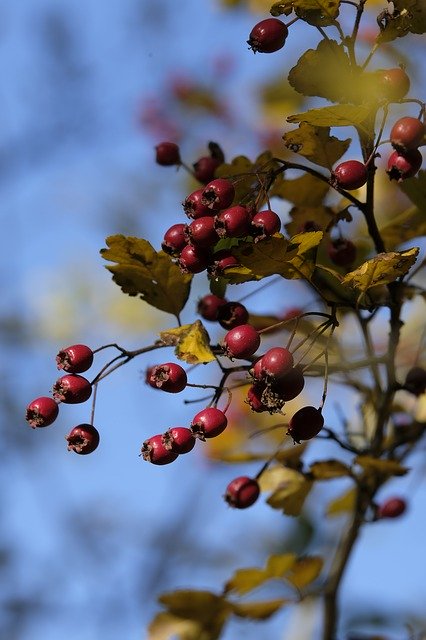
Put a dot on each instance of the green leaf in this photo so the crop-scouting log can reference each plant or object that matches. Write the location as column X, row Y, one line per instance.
column 381, row 467
column 258, row 610
column 192, row 342
column 316, row 144
column 305, row 571
column 408, row 16
column 306, row 191
column 319, row 13
column 140, row 270
column 324, row 218
column 329, row 469
column 343, row 504
column 382, row 269
column 339, row 115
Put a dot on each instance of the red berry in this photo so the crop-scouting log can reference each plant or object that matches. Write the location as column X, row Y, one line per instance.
column 342, row 252
column 276, row 363
column 193, row 259
column 254, row 398
column 170, row 377
column 167, row 154
column 209, row 423
column 349, row 175
column 392, row 508
column 232, row 314
column 415, row 381
column 241, row 342
column 407, row 133
column 265, row 224
column 221, row 260
column 193, row 206
column 218, row 194
column 233, row 222
column 41, row 412
column 174, row 239
column 72, row 389
column 290, row 385
column 202, row 232
column 83, row 439
column 179, row 440
column 75, row 359
column 305, row 424
column 242, row 492
column 154, row 450
column 393, row 84
column 209, row 305
column 268, row 36
column 204, row 168
column 404, row 165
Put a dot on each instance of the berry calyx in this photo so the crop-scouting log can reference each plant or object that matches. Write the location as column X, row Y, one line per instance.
column 193, row 206
column 218, row 194
column 241, row 342
column 265, row 224
column 179, row 440
column 276, row 363
column 404, row 165
column 170, row 377
column 208, row 306
column 72, row 389
column 193, row 259
column 415, row 381
column 154, row 450
column 204, row 169
column 232, row 314
column 305, row 424
column 41, row 412
column 167, row 154
column 242, row 492
column 392, row 508
column 268, row 36
column 393, row 84
column 349, row 175
column 208, row 423
column 342, row 252
column 75, row 359
column 407, row 133
column 174, row 239
column 83, row 439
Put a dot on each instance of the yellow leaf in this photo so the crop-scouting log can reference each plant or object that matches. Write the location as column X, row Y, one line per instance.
column 245, row 580
column 329, row 469
column 166, row 626
column 381, row 467
column 278, row 565
column 250, row 174
column 316, row 144
column 305, row 571
column 320, row 13
column 324, row 218
column 408, row 224
column 382, row 269
column 258, row 610
column 339, row 115
column 192, row 342
column 306, row 191
column 290, row 489
column 343, row 504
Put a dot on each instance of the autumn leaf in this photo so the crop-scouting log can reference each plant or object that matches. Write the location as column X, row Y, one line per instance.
column 259, row 610
column 329, row 469
column 382, row 269
column 340, row 115
column 305, row 191
column 343, row 504
column 289, row 489
column 381, row 467
column 319, row 13
column 305, row 571
column 316, row 144
column 192, row 342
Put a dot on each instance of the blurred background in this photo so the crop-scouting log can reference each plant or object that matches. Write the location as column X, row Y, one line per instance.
column 88, row 543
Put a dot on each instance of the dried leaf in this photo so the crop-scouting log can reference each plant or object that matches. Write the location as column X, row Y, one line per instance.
column 192, row 342
column 382, row 269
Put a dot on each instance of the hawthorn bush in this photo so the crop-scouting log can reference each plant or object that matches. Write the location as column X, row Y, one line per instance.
column 229, row 233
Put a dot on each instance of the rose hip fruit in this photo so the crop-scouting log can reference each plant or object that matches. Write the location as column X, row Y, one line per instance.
column 232, row 314
column 75, row 359
column 170, row 377
column 268, row 36
column 242, row 492
column 241, row 342
column 179, row 440
column 41, row 412
column 415, row 381
column 349, row 175
column 83, row 439
column 276, row 363
column 167, row 154
column 265, row 224
column 72, row 389
column 404, row 165
column 305, row 424
column 407, row 133
column 342, row 252
column 174, row 239
column 218, row 194
column 208, row 306
column 204, row 169
column 154, row 450
column 392, row 508
column 209, row 423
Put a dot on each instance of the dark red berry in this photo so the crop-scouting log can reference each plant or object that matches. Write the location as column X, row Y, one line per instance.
column 407, row 133
column 305, row 424
column 202, row 232
column 72, row 389
column 41, row 412
column 221, row 260
column 290, row 385
column 179, row 440
column 256, row 371
column 415, row 381
column 392, row 508
column 254, row 398
column 218, row 194
column 265, row 224
column 393, row 84
column 170, row 377
column 154, row 450
column 232, row 314
column 83, row 439
column 349, row 175
column 276, row 363
column 174, row 239
column 208, row 306
column 167, row 154
column 193, row 259
column 342, row 252
column 209, row 423
column 268, row 36
column 404, row 165
column 241, row 342
column 242, row 492
column 233, row 222
column 193, row 206
column 204, row 168
column 75, row 359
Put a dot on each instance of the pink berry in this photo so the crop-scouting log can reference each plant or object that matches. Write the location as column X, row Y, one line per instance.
column 209, row 423
column 174, row 239
column 179, row 440
column 75, row 359
column 154, row 450
column 392, row 508
column 41, row 412
column 241, row 342
column 167, row 154
column 305, row 424
column 83, row 439
column 404, row 165
column 170, row 377
column 276, row 363
column 349, row 175
column 218, row 194
column 209, row 305
column 242, row 492
column 268, row 35
column 72, row 389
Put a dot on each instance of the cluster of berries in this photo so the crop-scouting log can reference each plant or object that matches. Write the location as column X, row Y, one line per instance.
column 71, row 388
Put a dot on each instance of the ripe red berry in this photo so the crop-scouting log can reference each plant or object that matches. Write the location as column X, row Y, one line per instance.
column 204, row 168
column 241, row 342
column 290, row 385
column 179, row 440
column 83, row 439
column 75, row 359
column 154, row 450
column 41, row 412
column 233, row 222
column 232, row 314
column 305, row 424
column 218, row 194
column 415, row 381
column 349, row 175
column 268, row 36
column 167, row 154
column 342, row 252
column 220, row 261
column 242, row 492
column 393, row 84
column 276, row 363
column 254, row 398
column 392, row 508
column 193, row 259
column 265, row 224
column 404, row 165
column 174, row 239
column 208, row 306
column 202, row 232
column 193, row 206
column 170, row 377
column 72, row 389
column 407, row 133
column 209, row 423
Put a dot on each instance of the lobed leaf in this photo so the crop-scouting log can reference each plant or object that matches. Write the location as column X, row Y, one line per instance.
column 382, row 269
column 339, row 115
column 407, row 225
column 306, row 191
column 323, row 217
column 192, row 342
column 316, row 144
column 407, row 16
column 290, row 489
column 319, row 13
column 329, row 469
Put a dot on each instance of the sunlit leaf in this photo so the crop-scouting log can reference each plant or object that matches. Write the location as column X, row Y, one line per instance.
column 192, row 342
column 305, row 191
column 340, row 115
column 142, row 271
column 382, row 269
column 259, row 610
column 381, row 467
column 305, row 571
column 250, row 176
column 290, row 490
column 320, row 13
column 245, row 580
column 329, row 469
column 316, row 144
column 343, row 504
column 407, row 16
column 405, row 226
column 279, row 564
column 166, row 626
